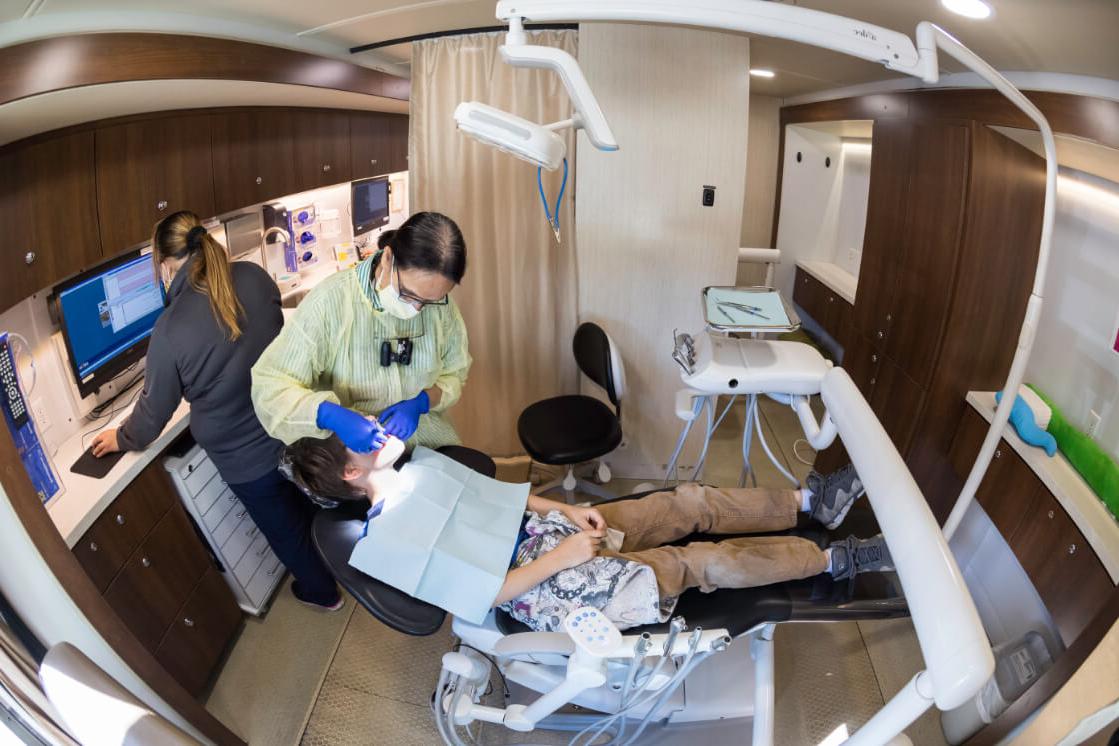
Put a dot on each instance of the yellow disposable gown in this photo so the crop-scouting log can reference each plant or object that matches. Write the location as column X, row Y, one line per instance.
column 330, row 350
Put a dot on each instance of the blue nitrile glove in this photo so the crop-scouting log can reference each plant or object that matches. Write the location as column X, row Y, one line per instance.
column 402, row 418
column 357, row 431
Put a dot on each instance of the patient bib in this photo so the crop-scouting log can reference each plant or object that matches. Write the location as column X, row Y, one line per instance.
column 444, row 535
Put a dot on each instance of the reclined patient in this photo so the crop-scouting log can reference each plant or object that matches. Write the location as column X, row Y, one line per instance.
column 561, row 559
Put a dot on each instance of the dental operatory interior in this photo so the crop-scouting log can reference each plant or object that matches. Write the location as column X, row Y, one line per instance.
column 559, row 372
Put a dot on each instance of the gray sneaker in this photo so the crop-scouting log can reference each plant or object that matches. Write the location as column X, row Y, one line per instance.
column 833, row 495
column 854, row 555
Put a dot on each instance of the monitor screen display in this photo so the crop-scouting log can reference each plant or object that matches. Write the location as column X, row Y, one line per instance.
column 370, row 204
column 107, row 311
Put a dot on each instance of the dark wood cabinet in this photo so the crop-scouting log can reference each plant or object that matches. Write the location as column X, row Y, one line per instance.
column 149, row 169
column 925, row 263
column 1068, row 576
column 253, row 157
column 200, row 632
column 157, row 579
column 103, row 550
column 897, row 400
column 322, row 147
column 378, row 143
column 152, row 568
column 1066, row 572
column 822, row 303
column 885, row 227
column 49, row 205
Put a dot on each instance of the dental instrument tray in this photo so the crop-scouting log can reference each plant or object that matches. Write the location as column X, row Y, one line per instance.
column 748, row 309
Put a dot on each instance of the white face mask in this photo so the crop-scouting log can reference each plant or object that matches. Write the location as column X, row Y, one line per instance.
column 391, row 300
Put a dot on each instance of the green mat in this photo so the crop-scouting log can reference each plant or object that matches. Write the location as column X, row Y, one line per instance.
column 1098, row 469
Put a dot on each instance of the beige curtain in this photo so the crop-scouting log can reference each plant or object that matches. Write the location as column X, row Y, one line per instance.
column 519, row 294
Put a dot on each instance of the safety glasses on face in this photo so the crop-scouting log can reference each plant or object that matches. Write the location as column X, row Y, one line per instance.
column 414, row 299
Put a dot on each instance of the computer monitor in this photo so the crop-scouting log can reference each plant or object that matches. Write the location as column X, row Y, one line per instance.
column 107, row 314
column 370, row 204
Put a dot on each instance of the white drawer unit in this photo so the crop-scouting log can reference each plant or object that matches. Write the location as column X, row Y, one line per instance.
column 251, row 569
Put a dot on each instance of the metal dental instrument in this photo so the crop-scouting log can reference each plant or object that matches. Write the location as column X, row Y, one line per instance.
column 751, row 310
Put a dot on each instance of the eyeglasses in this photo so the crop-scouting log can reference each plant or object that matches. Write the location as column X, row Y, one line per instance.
column 414, row 299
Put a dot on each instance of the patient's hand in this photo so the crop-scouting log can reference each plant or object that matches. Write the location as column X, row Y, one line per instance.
column 588, row 519
column 577, row 549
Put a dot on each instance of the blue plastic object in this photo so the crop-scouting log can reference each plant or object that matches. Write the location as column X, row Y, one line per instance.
column 358, row 432
column 1022, row 418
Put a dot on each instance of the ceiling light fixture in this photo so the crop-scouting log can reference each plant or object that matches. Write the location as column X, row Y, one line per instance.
column 760, row 72
column 976, row 9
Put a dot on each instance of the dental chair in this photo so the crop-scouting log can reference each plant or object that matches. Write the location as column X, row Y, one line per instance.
column 722, row 670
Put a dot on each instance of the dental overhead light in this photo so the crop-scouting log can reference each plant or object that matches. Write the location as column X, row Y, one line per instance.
column 862, row 40
column 976, row 9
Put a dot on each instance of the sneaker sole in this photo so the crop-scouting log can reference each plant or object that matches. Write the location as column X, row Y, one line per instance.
column 321, row 607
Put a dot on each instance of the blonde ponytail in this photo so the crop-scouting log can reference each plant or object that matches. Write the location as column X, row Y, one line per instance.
column 182, row 234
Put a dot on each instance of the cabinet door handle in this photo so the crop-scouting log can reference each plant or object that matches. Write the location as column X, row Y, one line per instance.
column 242, row 514
column 261, row 552
column 29, row 257
column 831, row 299
column 874, row 358
column 1050, row 515
column 1072, row 549
column 274, row 570
column 145, row 562
column 372, row 161
column 252, row 531
column 326, row 167
column 161, row 205
column 889, row 317
column 93, row 547
column 259, row 180
column 881, row 334
column 120, row 519
column 998, row 453
column 872, row 381
column 188, row 621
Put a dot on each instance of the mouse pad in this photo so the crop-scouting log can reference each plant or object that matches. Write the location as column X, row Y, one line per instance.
column 91, row 466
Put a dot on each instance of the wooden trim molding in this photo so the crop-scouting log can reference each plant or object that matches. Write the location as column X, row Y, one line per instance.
column 73, row 579
column 58, row 63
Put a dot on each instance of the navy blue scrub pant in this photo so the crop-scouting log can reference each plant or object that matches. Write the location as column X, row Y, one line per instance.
column 284, row 515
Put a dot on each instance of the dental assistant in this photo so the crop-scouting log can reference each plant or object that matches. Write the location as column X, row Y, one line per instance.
column 382, row 339
column 219, row 318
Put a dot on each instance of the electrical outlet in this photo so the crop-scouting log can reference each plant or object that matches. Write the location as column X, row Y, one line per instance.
column 1093, row 423
column 40, row 412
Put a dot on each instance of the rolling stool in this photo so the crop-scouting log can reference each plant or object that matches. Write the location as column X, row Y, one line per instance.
column 571, row 430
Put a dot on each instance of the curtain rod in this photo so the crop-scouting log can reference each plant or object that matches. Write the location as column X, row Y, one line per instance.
column 461, row 32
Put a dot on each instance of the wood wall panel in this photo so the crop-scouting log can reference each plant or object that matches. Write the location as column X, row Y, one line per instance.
column 92, row 59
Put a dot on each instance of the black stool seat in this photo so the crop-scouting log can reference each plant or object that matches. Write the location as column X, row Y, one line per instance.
column 568, row 430
column 817, row 599
column 335, row 533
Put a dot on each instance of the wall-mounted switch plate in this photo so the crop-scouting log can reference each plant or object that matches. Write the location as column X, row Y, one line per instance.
column 708, row 199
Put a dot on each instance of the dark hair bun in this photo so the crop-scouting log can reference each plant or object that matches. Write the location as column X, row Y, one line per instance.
column 385, row 239
column 194, row 237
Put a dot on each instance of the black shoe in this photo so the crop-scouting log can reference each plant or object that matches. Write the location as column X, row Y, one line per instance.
column 853, row 556
column 329, row 605
column 833, row 495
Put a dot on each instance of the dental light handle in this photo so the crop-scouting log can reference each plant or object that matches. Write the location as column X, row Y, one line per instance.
column 929, row 39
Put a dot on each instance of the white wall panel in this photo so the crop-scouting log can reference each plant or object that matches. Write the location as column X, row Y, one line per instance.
column 677, row 100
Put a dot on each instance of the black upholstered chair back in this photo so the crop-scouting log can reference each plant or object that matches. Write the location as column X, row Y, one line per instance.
column 592, row 353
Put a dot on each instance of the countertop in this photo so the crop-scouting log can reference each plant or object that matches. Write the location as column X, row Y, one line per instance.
column 1082, row 505
column 838, row 280
column 85, row 498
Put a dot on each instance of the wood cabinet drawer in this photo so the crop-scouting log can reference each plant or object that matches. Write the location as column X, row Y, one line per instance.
column 200, row 632
column 103, row 550
column 322, row 147
column 158, row 577
column 837, row 313
column 378, row 144
column 811, row 295
column 1067, row 574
